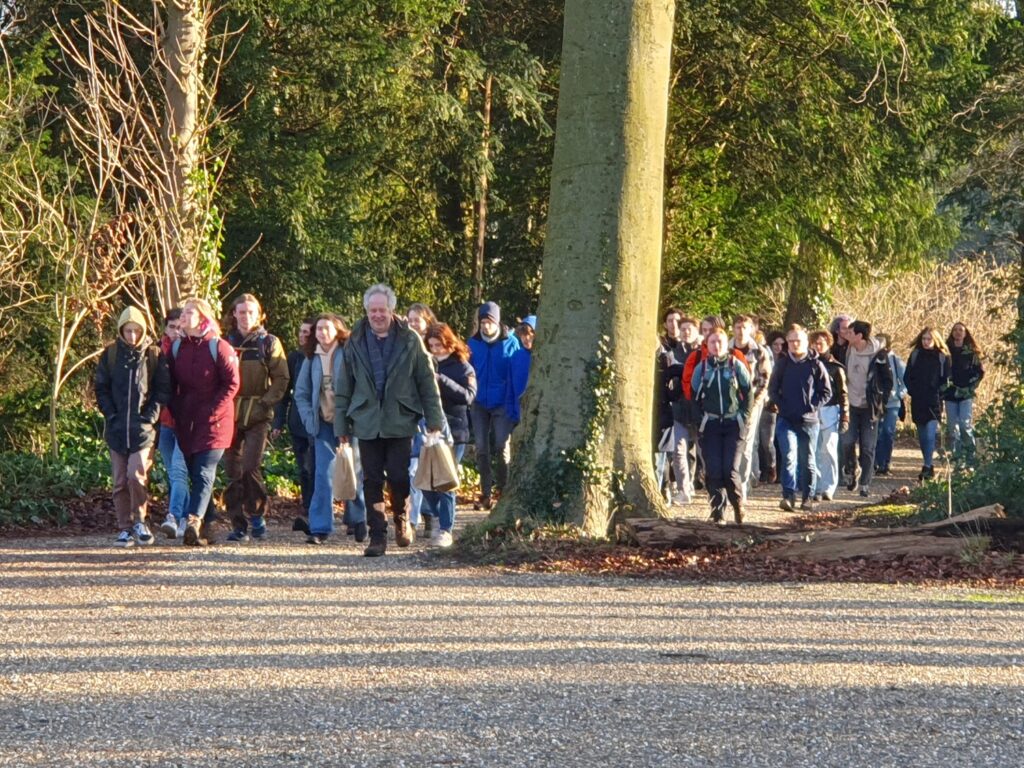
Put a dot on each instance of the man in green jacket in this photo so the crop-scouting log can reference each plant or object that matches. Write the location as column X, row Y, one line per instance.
column 387, row 385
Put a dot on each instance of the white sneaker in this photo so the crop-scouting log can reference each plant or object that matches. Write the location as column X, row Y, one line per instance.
column 142, row 534
column 680, row 498
column 180, row 532
column 444, row 539
column 169, row 527
column 124, row 539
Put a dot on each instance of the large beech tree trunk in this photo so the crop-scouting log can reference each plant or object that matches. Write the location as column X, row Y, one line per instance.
column 583, row 452
column 183, row 51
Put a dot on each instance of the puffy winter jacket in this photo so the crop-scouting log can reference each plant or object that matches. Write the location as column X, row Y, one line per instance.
column 129, row 393
column 457, row 381
column 203, row 392
column 490, row 360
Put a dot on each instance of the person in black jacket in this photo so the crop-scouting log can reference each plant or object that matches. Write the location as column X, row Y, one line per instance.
column 286, row 414
column 132, row 382
column 927, row 377
column 966, row 374
column 456, row 379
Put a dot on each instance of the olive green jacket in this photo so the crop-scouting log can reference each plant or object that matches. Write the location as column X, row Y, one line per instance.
column 410, row 393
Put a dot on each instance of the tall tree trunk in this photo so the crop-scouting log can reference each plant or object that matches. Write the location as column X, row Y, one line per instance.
column 481, row 202
column 583, row 451
column 803, row 286
column 183, row 52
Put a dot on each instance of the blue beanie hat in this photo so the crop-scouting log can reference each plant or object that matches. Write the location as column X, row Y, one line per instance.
column 531, row 320
column 490, row 310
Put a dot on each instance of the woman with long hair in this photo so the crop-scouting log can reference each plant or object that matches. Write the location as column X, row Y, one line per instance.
column 420, row 317
column 967, row 373
column 456, row 379
column 926, row 377
column 204, row 381
column 314, row 399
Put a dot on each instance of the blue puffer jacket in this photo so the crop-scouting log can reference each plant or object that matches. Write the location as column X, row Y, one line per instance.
column 491, row 362
column 518, row 378
column 307, row 388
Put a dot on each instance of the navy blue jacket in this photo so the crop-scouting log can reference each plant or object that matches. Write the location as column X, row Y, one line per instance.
column 457, row 381
column 798, row 388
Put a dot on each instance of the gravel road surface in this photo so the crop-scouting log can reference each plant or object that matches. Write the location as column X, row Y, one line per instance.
column 278, row 653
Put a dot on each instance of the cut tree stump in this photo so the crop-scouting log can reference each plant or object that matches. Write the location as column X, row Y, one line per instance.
column 943, row 538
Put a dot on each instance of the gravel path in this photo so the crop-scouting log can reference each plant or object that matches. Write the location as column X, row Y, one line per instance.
column 278, row 653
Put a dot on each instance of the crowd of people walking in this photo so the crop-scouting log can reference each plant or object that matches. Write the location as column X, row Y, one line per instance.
column 809, row 410
column 386, row 388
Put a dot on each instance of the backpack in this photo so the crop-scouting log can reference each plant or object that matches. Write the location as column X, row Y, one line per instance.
column 707, row 376
column 176, row 346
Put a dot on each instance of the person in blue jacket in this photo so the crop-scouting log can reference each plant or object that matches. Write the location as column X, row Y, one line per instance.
column 491, row 350
column 519, row 367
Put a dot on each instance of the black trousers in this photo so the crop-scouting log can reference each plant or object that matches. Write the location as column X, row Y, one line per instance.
column 385, row 458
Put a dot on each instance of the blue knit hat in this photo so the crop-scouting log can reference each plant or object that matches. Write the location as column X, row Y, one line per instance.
column 530, row 320
column 490, row 310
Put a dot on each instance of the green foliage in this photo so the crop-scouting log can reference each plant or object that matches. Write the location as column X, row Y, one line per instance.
column 999, row 475
column 279, row 470
column 34, row 487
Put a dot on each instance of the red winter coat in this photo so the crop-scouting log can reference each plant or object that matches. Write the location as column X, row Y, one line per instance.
column 203, row 393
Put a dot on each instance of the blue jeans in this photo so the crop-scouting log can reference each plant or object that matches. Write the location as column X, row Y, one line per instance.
column 826, row 454
column 415, row 494
column 177, row 472
column 321, row 504
column 961, row 426
column 442, row 506
column 926, row 436
column 202, row 473
column 796, row 443
column 886, row 438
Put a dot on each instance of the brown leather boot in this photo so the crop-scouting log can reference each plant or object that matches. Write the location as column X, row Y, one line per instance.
column 404, row 533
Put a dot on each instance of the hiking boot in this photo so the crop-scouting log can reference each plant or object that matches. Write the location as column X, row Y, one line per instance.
column 169, row 527
column 258, row 527
column 786, row 504
column 124, row 540
column 239, row 534
column 142, row 534
column 404, row 534
column 359, row 532
column 193, row 532
column 378, row 546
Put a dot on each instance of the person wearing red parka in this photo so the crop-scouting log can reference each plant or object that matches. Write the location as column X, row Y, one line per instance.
column 204, row 375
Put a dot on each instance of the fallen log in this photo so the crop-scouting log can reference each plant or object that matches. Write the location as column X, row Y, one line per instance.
column 985, row 527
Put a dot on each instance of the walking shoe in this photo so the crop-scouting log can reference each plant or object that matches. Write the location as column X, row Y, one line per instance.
column 378, row 546
column 482, row 505
column 851, row 482
column 865, row 491
column 142, row 534
column 816, row 497
column 826, row 497
column 350, row 530
column 180, row 533
column 238, row 535
column 316, row 538
column 786, row 504
column 193, row 536
column 359, row 531
column 809, row 505
column 300, row 524
column 258, row 527
column 680, row 498
column 882, row 471
column 739, row 512
column 443, row 539
column 124, row 539
column 169, row 527
column 428, row 524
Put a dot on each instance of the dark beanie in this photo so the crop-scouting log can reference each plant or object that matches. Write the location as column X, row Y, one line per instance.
column 490, row 310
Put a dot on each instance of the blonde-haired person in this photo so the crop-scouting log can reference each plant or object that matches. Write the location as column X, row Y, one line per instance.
column 204, row 379
column 131, row 384
column 927, row 377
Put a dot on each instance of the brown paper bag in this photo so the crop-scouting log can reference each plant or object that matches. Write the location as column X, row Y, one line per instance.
column 344, row 483
column 437, row 470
